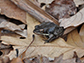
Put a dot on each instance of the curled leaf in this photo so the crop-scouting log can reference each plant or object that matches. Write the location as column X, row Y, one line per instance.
column 74, row 21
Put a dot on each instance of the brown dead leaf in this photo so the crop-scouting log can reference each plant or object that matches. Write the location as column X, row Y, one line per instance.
column 61, row 8
column 17, row 60
column 35, row 11
column 35, row 2
column 11, row 10
column 74, row 21
column 4, row 59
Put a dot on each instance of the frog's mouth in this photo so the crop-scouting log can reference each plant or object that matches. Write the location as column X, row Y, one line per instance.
column 40, row 33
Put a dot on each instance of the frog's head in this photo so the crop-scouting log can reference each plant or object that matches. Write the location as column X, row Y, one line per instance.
column 40, row 31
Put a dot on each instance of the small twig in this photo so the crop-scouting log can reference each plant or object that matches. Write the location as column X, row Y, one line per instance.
column 23, row 54
column 33, row 36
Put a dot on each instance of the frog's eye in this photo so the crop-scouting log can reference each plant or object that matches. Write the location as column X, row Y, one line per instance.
column 41, row 30
column 37, row 26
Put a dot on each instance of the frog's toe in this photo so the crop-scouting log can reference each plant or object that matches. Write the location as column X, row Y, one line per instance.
column 46, row 41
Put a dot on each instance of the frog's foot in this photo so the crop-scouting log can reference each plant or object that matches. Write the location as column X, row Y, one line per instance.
column 46, row 41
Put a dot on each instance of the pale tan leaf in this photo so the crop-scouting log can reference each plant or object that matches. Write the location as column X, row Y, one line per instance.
column 31, row 22
column 13, row 41
column 79, row 2
column 50, row 50
column 22, row 26
column 4, row 23
column 82, row 33
column 77, row 40
column 74, row 21
column 17, row 60
column 22, row 33
column 45, row 1
column 10, row 26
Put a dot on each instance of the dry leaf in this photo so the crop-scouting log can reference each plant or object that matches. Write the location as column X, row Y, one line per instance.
column 4, row 23
column 76, row 39
column 17, row 60
column 21, row 44
column 22, row 26
column 54, row 49
column 61, row 8
column 35, row 2
column 11, row 10
column 60, row 60
column 19, row 29
column 2, row 46
column 4, row 59
column 13, row 27
column 9, row 26
column 45, row 1
column 13, row 41
column 9, row 33
column 22, row 33
column 6, row 51
column 43, row 59
column 74, row 21
column 35, row 11
column 79, row 2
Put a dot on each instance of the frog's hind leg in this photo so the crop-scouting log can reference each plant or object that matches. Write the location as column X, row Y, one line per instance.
column 51, row 38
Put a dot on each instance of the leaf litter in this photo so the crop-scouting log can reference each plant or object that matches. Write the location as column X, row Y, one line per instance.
column 59, row 48
column 54, row 49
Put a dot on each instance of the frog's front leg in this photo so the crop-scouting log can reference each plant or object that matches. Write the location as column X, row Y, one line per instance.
column 51, row 37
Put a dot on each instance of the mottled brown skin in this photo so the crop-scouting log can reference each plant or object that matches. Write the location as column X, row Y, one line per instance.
column 49, row 30
column 61, row 8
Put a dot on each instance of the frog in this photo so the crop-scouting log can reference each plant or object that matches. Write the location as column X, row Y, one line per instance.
column 50, row 30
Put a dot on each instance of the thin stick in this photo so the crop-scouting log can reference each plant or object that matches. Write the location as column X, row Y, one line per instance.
column 23, row 54
column 33, row 36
